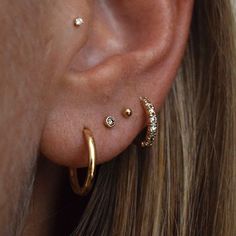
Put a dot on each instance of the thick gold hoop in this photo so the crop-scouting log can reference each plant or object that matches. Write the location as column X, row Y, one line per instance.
column 151, row 122
column 83, row 190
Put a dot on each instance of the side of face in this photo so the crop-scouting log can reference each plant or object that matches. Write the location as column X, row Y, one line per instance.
column 27, row 72
column 57, row 79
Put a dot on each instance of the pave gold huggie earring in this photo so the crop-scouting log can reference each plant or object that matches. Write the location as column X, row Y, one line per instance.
column 83, row 190
column 151, row 122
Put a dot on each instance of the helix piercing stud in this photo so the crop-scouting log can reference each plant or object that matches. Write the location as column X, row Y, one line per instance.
column 151, row 122
column 109, row 121
column 127, row 112
column 78, row 22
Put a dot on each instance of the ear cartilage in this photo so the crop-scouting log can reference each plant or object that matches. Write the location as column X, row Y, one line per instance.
column 127, row 112
column 78, row 22
column 109, row 121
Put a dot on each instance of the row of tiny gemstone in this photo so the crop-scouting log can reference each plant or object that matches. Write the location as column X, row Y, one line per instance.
column 152, row 125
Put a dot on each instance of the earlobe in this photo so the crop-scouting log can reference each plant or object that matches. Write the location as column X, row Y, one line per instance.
column 130, row 52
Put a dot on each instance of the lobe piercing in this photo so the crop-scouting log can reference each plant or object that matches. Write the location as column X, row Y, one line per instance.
column 127, row 113
column 78, row 22
column 109, row 122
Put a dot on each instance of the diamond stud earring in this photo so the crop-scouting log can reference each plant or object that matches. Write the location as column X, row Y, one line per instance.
column 109, row 122
column 78, row 22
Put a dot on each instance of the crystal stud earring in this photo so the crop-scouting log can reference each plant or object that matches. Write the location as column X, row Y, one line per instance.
column 78, row 22
column 109, row 122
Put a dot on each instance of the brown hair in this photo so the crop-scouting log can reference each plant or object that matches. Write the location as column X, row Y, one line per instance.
column 185, row 185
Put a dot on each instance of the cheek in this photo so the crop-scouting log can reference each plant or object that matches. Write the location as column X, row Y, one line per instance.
column 24, row 50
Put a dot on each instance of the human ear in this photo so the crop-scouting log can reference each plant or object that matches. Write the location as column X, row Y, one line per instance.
column 133, row 48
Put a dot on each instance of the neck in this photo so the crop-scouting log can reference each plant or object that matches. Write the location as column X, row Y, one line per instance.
column 46, row 199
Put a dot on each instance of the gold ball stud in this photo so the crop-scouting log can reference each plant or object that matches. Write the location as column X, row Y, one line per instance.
column 127, row 113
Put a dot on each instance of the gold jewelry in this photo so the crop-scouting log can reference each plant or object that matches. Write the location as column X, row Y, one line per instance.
column 109, row 122
column 78, row 21
column 127, row 113
column 151, row 121
column 91, row 167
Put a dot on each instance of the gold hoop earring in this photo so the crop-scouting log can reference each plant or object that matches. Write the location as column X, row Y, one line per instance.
column 151, row 121
column 91, row 167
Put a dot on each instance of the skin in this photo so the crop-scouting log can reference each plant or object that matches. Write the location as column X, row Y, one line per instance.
column 56, row 79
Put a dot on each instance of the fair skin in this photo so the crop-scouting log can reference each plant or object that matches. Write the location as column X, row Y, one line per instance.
column 56, row 79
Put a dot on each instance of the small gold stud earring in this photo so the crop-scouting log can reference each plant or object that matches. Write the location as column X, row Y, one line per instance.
column 127, row 112
column 78, row 22
column 109, row 122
